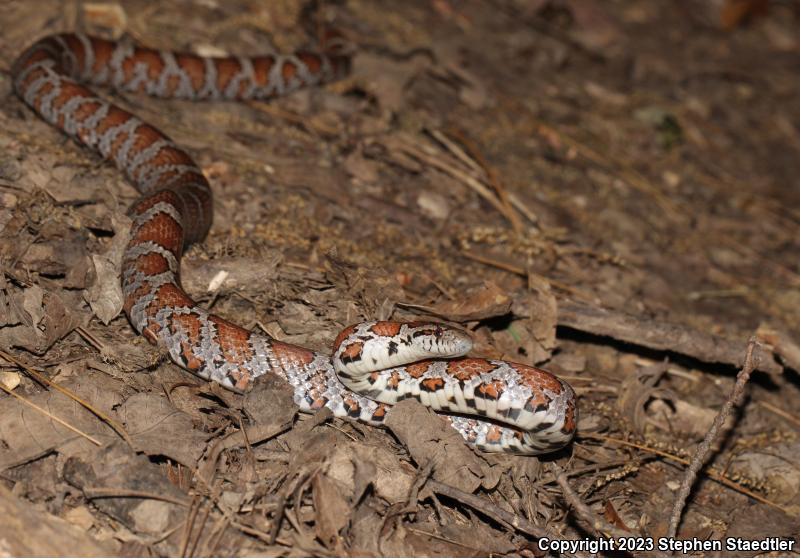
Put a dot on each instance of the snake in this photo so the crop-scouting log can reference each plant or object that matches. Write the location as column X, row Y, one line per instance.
column 496, row 406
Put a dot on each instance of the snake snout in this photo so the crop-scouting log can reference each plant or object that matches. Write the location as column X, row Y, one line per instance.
column 454, row 342
column 436, row 340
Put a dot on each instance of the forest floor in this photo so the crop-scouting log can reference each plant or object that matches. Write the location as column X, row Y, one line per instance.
column 605, row 189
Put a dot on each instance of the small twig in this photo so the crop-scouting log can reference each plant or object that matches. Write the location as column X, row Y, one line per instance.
column 457, row 150
column 90, row 338
column 214, row 536
column 308, row 124
column 720, row 478
column 292, row 514
column 188, row 526
column 260, row 535
column 206, row 513
column 411, row 504
column 164, row 535
column 597, row 523
column 518, row 204
column 655, row 334
column 704, row 448
column 257, row 433
column 85, row 404
column 94, row 493
column 522, row 272
column 436, row 161
column 277, row 518
column 498, row 514
column 780, row 412
column 491, row 178
column 445, row 539
column 47, row 413
column 229, row 517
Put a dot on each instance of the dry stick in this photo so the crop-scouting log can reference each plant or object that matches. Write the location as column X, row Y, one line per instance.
column 292, row 514
column 277, row 518
column 522, row 272
column 100, row 492
column 597, row 523
column 488, row 171
column 498, row 514
column 259, row 432
column 308, row 124
column 201, row 528
column 47, row 413
column 518, row 204
column 780, row 412
column 658, row 335
column 260, row 535
column 228, row 514
column 411, row 503
column 188, row 525
column 89, row 338
column 164, row 535
column 456, row 150
column 491, row 177
column 710, row 474
column 85, row 404
column 435, row 161
column 661, row 336
column 214, row 537
column 704, row 448
column 443, row 538
column 512, row 198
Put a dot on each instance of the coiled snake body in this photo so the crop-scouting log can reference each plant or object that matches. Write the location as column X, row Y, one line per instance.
column 522, row 409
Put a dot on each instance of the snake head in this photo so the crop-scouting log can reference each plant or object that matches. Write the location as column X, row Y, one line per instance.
column 439, row 340
column 371, row 346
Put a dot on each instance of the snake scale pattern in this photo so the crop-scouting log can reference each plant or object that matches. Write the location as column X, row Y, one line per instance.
column 497, row 406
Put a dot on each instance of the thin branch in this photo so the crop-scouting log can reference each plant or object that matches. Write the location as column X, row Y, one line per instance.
column 188, row 526
column 780, row 412
column 656, row 334
column 646, row 332
column 101, row 492
column 522, row 272
column 704, row 448
column 311, row 125
column 713, row 475
column 489, row 172
column 498, row 514
column 85, row 404
column 597, row 523
column 434, row 159
column 50, row 415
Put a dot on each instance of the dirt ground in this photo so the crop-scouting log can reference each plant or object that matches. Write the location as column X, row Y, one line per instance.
column 607, row 189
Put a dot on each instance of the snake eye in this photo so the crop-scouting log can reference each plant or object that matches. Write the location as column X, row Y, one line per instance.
column 438, row 332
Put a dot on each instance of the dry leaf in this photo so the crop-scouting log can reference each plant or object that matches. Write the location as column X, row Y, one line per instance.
column 638, row 389
column 478, row 303
column 332, row 509
column 429, row 437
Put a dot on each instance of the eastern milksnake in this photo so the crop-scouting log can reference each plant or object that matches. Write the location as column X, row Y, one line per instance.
column 381, row 362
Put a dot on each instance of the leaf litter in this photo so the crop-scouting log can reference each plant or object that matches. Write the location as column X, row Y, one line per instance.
column 507, row 181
